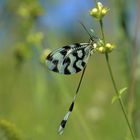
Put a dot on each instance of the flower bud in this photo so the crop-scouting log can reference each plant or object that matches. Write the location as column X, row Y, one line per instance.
column 99, row 11
column 104, row 11
column 94, row 13
column 101, row 50
column 99, row 6
column 109, row 47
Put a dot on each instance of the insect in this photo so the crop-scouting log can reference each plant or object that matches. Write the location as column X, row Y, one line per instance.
column 68, row 60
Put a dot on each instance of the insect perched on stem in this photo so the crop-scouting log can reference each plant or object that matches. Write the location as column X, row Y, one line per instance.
column 68, row 60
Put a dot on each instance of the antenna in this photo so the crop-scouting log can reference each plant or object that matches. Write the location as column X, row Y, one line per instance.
column 91, row 37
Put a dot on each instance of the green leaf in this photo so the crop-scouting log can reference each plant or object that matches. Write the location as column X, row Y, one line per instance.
column 122, row 90
column 114, row 98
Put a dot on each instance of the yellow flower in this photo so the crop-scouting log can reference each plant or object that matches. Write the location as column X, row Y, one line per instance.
column 104, row 48
column 109, row 47
column 99, row 11
column 101, row 49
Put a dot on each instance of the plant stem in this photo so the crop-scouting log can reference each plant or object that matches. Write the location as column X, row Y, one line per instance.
column 101, row 26
column 115, row 87
column 119, row 98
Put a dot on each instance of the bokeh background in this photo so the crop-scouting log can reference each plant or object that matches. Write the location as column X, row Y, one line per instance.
column 33, row 100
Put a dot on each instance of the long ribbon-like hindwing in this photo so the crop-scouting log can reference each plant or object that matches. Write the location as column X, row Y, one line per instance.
column 65, row 119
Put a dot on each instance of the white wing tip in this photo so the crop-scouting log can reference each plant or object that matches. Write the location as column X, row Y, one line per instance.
column 60, row 130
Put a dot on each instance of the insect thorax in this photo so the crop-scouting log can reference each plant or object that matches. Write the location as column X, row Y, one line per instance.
column 93, row 45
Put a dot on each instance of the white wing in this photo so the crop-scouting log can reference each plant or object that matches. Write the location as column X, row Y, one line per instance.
column 69, row 59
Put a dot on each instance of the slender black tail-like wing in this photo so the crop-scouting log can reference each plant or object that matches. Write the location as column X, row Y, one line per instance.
column 65, row 119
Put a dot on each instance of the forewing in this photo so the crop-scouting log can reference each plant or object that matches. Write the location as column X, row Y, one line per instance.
column 69, row 59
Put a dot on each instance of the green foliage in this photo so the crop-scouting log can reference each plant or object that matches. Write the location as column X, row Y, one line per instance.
column 8, row 131
column 25, row 13
column 36, row 99
column 121, row 91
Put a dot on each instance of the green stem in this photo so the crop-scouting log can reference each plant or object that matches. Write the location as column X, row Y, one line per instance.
column 101, row 25
column 115, row 87
column 119, row 98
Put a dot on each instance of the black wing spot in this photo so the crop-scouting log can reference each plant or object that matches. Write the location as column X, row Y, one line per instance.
column 49, row 57
column 66, row 71
column 63, row 123
column 75, row 54
column 83, row 64
column 77, row 45
column 55, row 69
column 63, row 52
column 83, row 54
column 55, row 62
column 71, row 106
column 67, row 61
column 75, row 67
column 67, row 48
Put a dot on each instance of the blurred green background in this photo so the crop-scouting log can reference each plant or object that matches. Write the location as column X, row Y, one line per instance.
column 33, row 100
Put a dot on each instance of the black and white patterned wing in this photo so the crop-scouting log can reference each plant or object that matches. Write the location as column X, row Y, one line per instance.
column 69, row 59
